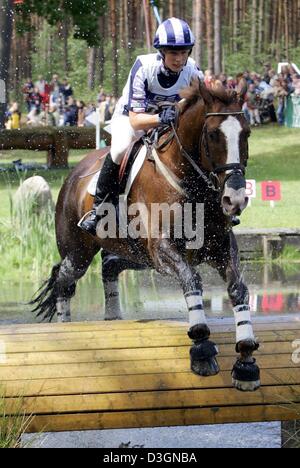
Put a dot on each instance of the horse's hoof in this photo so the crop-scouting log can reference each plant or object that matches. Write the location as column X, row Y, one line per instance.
column 246, row 376
column 203, row 361
column 205, row 368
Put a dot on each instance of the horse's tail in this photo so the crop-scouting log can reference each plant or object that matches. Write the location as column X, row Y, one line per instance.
column 45, row 301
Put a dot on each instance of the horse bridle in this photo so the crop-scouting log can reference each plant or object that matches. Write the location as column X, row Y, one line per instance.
column 212, row 180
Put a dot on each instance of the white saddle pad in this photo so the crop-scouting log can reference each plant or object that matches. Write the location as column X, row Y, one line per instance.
column 139, row 161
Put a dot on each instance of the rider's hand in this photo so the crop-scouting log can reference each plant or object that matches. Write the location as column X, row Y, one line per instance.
column 167, row 116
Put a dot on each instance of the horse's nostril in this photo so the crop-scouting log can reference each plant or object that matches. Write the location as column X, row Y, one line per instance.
column 227, row 201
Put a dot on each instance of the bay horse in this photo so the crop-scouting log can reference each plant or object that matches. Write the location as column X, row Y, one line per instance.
column 206, row 154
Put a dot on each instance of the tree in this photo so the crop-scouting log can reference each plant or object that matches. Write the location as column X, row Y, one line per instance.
column 83, row 14
column 6, row 21
column 209, row 33
column 198, row 30
column 253, row 30
column 217, row 37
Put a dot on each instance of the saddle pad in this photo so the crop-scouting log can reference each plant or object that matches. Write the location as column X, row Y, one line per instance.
column 139, row 161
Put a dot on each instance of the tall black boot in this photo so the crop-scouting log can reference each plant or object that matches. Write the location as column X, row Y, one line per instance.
column 107, row 189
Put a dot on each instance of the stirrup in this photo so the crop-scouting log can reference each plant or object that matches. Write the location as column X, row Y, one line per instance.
column 83, row 217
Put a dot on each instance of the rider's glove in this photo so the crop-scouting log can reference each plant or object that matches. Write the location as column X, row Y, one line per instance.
column 167, row 116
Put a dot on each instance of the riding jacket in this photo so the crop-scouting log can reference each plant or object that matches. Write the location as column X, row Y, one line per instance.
column 150, row 83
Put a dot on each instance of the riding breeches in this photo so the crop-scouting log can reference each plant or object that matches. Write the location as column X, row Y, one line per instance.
column 122, row 136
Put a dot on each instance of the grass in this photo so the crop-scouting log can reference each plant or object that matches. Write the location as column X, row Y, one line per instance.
column 13, row 426
column 274, row 155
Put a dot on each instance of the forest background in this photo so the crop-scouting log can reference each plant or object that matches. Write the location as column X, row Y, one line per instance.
column 95, row 42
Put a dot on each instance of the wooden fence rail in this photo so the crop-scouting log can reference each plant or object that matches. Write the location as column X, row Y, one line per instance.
column 56, row 141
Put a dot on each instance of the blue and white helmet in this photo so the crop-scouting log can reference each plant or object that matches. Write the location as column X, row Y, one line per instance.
column 174, row 33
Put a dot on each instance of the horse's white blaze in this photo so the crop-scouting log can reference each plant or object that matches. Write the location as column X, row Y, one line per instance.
column 232, row 128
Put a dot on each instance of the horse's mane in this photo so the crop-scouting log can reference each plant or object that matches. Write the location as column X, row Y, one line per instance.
column 192, row 94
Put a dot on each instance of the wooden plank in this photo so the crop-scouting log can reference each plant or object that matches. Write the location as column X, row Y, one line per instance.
column 135, row 325
column 128, row 353
column 118, row 336
column 128, row 367
column 143, row 382
column 162, row 418
column 166, row 399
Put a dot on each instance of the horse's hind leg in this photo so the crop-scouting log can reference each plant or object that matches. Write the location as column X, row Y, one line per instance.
column 112, row 266
column 245, row 372
column 57, row 292
column 110, row 277
column 203, row 352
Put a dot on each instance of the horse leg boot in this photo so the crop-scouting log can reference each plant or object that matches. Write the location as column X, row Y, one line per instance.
column 107, row 189
column 245, row 372
column 203, row 352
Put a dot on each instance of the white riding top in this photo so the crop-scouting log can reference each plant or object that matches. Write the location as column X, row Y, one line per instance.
column 143, row 91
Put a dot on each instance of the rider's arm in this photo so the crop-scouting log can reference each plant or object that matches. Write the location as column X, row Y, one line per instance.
column 143, row 121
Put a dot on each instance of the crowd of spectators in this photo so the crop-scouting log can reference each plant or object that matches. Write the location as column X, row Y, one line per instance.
column 54, row 104
column 267, row 92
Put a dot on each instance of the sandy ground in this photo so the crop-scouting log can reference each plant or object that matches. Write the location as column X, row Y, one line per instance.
column 254, row 435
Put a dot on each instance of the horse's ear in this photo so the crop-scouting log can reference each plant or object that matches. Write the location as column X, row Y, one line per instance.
column 242, row 89
column 205, row 94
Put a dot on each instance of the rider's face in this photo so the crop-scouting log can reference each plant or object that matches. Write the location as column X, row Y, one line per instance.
column 175, row 60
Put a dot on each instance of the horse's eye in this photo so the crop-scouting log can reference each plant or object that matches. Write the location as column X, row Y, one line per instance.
column 214, row 135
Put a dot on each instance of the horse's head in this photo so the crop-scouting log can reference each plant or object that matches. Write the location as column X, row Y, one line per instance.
column 223, row 144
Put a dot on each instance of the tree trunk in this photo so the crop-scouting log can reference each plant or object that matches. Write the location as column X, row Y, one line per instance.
column 260, row 25
column 100, row 52
column 171, row 8
column 91, row 67
column 235, row 25
column 253, row 31
column 65, row 33
column 209, row 31
column 113, row 26
column 198, row 31
column 286, row 30
column 217, row 37
column 6, row 21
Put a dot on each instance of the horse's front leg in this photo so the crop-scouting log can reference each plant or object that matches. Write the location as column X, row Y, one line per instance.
column 245, row 372
column 168, row 260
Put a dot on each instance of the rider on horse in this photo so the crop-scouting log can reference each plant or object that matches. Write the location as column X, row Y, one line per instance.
column 154, row 78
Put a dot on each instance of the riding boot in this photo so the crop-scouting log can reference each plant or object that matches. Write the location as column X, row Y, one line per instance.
column 107, row 190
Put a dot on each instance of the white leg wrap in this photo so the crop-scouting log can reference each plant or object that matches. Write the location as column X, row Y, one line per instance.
column 244, row 329
column 195, row 305
column 63, row 310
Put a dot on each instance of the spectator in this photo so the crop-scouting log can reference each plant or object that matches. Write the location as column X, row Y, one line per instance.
column 27, row 90
column 252, row 99
column 40, row 84
column 54, row 90
column 13, row 117
column 71, row 113
column 280, row 91
column 33, row 118
column 81, row 113
column 208, row 78
column 46, row 117
column 66, row 90
column 35, row 99
column 102, row 95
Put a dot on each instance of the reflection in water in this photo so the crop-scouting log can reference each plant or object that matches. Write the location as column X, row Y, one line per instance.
column 148, row 295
